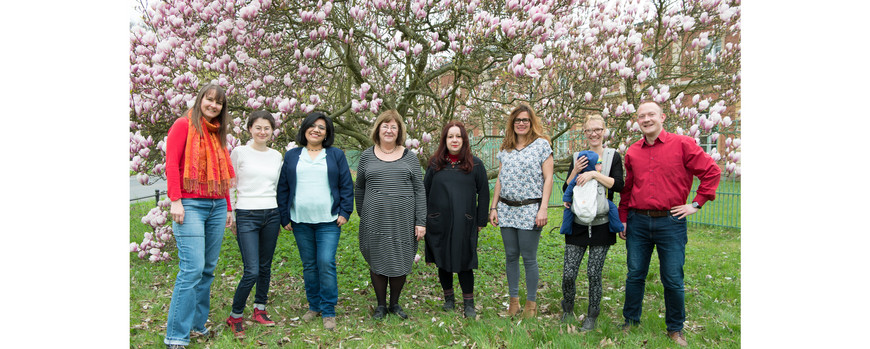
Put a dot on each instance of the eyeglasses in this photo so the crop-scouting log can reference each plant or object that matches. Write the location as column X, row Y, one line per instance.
column 389, row 128
column 593, row 130
column 522, row 121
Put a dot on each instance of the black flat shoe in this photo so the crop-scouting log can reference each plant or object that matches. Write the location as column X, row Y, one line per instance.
column 396, row 309
column 380, row 312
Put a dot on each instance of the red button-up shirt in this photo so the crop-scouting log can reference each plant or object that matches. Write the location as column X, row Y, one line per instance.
column 659, row 176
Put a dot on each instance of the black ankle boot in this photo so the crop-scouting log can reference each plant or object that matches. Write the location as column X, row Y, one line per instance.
column 567, row 311
column 449, row 302
column 469, row 308
column 589, row 321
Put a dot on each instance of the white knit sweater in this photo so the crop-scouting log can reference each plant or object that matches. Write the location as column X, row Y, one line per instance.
column 257, row 173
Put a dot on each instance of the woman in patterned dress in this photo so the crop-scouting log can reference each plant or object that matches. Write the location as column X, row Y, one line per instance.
column 599, row 238
column 519, row 206
column 391, row 203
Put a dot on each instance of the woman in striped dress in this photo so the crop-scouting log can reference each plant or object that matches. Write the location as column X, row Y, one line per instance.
column 391, row 203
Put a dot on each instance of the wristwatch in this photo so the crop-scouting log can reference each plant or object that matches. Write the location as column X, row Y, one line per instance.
column 696, row 205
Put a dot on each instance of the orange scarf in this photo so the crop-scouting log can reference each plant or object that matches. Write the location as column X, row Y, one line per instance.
column 206, row 163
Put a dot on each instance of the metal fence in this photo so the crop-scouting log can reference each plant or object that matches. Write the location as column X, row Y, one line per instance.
column 724, row 211
column 139, row 207
column 158, row 194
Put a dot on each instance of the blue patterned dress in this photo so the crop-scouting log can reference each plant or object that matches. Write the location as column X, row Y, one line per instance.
column 522, row 178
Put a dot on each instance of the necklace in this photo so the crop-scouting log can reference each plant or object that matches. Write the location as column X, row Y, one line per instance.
column 453, row 159
column 313, row 150
column 388, row 152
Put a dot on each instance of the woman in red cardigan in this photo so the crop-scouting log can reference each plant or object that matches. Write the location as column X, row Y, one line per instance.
column 199, row 174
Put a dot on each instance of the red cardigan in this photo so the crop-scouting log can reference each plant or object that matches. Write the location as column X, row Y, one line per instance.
column 175, row 143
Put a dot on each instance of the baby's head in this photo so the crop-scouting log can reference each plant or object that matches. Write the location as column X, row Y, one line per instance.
column 592, row 157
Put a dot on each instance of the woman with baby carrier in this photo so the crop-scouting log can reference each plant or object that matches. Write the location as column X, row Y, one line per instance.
column 595, row 236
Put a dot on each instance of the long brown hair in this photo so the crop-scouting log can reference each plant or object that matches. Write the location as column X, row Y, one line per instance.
column 536, row 130
column 223, row 118
column 439, row 159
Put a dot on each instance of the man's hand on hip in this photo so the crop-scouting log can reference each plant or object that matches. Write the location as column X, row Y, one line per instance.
column 683, row 211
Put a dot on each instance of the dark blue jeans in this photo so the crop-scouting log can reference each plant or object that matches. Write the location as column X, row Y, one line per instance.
column 668, row 236
column 317, row 244
column 257, row 234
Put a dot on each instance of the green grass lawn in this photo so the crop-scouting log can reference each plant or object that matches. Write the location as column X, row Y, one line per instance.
column 712, row 278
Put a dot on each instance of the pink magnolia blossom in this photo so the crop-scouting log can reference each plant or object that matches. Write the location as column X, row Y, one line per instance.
column 363, row 90
column 376, row 104
column 284, row 106
column 538, row 50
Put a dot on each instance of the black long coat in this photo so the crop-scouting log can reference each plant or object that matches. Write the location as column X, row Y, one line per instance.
column 457, row 204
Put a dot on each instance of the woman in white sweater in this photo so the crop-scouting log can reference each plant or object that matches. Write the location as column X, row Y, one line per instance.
column 257, row 218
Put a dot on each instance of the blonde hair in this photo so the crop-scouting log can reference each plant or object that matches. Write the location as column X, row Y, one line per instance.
column 386, row 116
column 536, row 129
column 595, row 117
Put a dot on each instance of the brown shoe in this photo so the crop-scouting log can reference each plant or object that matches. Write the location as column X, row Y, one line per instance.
column 329, row 323
column 310, row 315
column 530, row 310
column 514, row 306
column 678, row 337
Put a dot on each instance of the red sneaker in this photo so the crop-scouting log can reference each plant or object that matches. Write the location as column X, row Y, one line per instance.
column 236, row 326
column 261, row 317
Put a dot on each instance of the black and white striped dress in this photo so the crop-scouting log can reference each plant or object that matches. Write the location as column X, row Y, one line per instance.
column 390, row 201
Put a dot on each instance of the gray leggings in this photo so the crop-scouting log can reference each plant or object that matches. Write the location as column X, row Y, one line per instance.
column 521, row 242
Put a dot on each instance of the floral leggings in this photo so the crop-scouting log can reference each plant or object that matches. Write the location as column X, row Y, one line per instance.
column 573, row 257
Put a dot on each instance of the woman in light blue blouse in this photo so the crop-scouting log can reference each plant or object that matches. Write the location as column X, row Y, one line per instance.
column 315, row 198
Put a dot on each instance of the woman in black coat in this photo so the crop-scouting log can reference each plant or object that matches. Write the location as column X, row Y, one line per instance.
column 457, row 196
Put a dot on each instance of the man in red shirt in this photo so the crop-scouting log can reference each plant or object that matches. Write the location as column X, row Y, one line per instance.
column 653, row 209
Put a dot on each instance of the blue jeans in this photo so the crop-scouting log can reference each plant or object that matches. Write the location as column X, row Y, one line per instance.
column 199, row 244
column 317, row 244
column 257, row 235
column 668, row 236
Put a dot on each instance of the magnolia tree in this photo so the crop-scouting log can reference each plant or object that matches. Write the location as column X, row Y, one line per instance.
column 436, row 61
